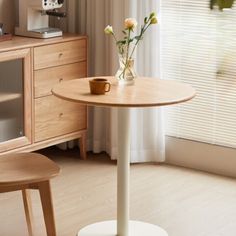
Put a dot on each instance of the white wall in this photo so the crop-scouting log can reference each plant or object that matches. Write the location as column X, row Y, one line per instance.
column 201, row 156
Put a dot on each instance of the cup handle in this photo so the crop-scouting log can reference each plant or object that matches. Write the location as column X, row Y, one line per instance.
column 107, row 87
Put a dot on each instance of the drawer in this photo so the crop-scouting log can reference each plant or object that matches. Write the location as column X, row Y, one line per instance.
column 59, row 54
column 45, row 79
column 55, row 117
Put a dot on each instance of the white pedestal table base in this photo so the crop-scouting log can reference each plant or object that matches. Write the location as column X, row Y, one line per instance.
column 109, row 228
column 124, row 98
column 123, row 226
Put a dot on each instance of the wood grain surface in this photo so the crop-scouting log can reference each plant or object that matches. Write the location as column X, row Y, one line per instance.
column 62, row 117
column 45, row 79
column 18, row 42
column 182, row 201
column 60, row 54
column 146, row 92
column 24, row 168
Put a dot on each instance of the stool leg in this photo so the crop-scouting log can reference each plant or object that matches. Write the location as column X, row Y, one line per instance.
column 28, row 210
column 46, row 200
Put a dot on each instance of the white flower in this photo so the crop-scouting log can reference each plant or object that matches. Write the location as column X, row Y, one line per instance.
column 130, row 23
column 108, row 30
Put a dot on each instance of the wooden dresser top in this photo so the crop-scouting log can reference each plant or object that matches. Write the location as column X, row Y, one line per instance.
column 24, row 42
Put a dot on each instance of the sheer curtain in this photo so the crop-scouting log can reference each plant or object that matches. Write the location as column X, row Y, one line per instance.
column 147, row 128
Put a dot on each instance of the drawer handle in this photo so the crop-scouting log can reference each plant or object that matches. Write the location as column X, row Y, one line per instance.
column 60, row 55
column 61, row 114
column 60, row 80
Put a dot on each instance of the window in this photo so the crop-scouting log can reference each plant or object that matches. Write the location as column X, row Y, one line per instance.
column 198, row 46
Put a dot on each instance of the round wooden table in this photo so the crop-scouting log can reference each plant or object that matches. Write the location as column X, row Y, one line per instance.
column 146, row 92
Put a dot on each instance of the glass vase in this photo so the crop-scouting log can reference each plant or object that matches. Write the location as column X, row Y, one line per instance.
column 126, row 73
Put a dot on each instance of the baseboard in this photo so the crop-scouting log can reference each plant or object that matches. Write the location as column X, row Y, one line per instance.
column 201, row 156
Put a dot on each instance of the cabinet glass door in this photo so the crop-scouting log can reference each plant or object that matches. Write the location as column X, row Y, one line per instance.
column 11, row 100
column 15, row 99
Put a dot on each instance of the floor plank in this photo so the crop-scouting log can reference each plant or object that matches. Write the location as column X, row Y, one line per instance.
column 182, row 201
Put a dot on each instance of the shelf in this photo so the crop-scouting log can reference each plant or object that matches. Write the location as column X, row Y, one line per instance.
column 4, row 97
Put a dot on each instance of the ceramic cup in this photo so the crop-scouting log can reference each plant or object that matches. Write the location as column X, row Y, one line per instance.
column 99, row 86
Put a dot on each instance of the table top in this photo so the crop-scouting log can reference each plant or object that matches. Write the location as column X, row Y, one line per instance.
column 146, row 92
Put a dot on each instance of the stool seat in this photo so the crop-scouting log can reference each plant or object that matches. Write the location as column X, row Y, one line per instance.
column 25, row 168
column 30, row 171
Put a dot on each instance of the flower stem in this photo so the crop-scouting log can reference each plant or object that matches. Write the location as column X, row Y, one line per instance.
column 143, row 29
column 128, row 43
column 114, row 37
column 126, row 63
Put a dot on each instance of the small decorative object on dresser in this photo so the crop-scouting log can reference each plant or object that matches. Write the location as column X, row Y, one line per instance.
column 1, row 29
column 126, row 46
column 34, row 18
column 4, row 36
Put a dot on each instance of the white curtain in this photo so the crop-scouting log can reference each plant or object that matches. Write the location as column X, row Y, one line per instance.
column 147, row 128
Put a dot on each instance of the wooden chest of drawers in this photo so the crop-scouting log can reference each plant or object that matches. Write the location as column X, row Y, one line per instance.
column 51, row 120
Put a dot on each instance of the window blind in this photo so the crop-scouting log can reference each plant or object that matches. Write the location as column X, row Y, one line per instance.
column 198, row 47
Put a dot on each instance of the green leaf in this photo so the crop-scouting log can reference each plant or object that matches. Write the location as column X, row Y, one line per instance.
column 221, row 4
column 212, row 3
column 121, row 42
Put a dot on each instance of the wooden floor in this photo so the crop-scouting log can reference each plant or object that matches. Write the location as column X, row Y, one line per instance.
column 182, row 201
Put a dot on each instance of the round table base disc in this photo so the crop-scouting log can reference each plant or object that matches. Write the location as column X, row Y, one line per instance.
column 108, row 228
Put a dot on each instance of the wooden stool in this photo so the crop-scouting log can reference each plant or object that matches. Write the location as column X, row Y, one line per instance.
column 24, row 171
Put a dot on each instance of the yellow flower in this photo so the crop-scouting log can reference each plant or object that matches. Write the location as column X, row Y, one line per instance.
column 108, row 30
column 154, row 20
column 130, row 23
